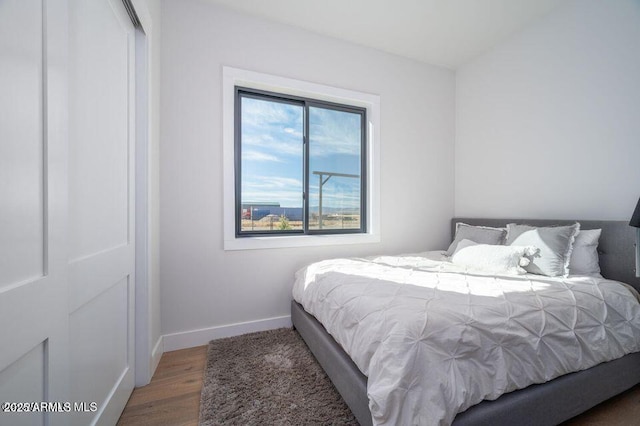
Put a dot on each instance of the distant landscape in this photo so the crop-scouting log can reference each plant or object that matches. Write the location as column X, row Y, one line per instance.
column 331, row 219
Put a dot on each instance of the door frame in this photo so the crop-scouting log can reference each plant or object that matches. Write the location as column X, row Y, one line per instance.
column 146, row 359
column 143, row 368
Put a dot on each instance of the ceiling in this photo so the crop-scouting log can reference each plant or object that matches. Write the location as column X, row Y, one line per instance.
column 440, row 32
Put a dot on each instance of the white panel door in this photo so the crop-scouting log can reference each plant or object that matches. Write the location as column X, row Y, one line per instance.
column 33, row 209
column 101, row 208
column 66, row 210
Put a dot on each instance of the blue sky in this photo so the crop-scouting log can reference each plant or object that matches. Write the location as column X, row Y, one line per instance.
column 272, row 154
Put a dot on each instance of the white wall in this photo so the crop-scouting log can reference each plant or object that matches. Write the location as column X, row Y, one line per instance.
column 548, row 123
column 202, row 285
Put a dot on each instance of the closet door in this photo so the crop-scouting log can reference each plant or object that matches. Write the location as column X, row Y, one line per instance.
column 66, row 210
column 101, row 208
column 33, row 210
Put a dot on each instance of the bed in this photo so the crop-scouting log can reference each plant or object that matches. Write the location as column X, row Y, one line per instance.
column 547, row 403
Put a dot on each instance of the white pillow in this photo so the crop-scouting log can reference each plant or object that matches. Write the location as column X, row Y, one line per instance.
column 495, row 259
column 584, row 257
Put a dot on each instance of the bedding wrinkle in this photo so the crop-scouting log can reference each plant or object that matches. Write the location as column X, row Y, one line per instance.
column 434, row 338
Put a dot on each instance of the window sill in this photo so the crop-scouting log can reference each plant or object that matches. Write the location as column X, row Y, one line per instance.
column 287, row 241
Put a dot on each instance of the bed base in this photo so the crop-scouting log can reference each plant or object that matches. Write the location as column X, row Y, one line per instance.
column 546, row 404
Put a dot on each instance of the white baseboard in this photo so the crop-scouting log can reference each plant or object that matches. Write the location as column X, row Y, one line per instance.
column 156, row 354
column 192, row 338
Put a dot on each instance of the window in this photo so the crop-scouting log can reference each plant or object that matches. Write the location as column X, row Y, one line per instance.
column 292, row 189
column 300, row 165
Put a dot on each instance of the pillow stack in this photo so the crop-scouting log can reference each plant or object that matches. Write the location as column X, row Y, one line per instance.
column 551, row 250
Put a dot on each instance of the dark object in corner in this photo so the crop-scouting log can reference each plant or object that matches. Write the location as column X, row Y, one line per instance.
column 635, row 219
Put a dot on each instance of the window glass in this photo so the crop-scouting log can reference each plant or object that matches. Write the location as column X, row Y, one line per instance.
column 272, row 164
column 299, row 165
column 335, row 159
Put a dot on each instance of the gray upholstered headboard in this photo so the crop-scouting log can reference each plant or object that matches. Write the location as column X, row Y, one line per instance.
column 616, row 248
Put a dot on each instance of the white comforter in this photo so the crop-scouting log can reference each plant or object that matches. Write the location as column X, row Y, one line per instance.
column 434, row 340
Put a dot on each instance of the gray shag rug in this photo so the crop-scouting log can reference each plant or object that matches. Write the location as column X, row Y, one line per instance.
column 268, row 378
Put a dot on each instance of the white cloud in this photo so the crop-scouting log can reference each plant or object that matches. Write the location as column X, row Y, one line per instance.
column 284, row 190
column 293, row 132
column 285, row 198
column 268, row 142
column 334, row 132
column 263, row 113
column 270, row 182
column 259, row 156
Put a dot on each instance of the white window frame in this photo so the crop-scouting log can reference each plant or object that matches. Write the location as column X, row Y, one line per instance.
column 232, row 77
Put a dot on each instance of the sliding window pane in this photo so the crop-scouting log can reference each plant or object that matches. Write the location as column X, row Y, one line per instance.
column 271, row 178
column 335, row 162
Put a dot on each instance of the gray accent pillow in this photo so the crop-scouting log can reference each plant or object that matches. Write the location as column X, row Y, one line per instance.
column 477, row 234
column 555, row 244
column 584, row 257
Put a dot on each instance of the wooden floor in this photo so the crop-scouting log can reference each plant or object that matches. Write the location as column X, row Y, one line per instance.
column 173, row 397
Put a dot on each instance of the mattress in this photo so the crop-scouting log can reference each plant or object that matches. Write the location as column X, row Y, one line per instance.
column 434, row 339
